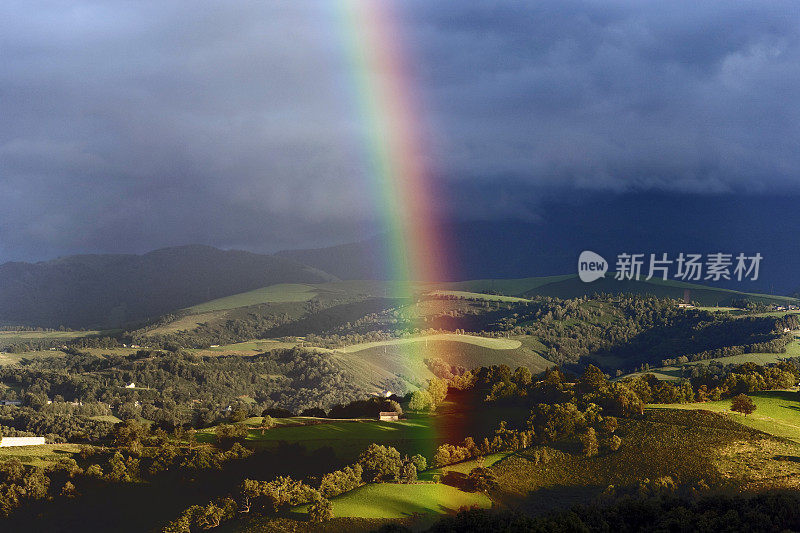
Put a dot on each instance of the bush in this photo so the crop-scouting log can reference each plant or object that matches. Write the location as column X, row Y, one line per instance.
column 321, row 510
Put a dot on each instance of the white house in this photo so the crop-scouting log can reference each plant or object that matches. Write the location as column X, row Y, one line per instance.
column 10, row 402
column 6, row 442
column 130, row 385
column 390, row 416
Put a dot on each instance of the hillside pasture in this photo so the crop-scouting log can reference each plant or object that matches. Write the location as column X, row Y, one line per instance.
column 685, row 445
column 485, row 342
column 777, row 412
column 282, row 293
column 394, row 500
column 572, row 287
column 253, row 347
column 478, row 296
column 380, row 362
column 673, row 372
column 12, row 337
column 41, row 455
column 347, row 438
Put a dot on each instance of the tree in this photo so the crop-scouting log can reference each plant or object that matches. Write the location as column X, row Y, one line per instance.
column 267, row 422
column 421, row 401
column 381, row 463
column 118, row 470
column 321, row 510
column 592, row 380
column 128, row 434
column 523, row 376
column 419, row 462
column 249, row 491
column 589, row 442
column 69, row 490
column 229, row 433
column 611, row 443
column 408, row 473
column 743, row 404
column 482, row 479
column 438, row 391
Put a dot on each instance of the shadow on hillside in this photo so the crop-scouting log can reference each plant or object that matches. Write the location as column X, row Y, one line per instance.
column 559, row 497
column 789, row 458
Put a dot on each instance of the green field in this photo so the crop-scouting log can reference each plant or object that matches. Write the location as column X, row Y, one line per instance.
column 106, row 418
column 478, row 296
column 246, row 348
column 464, row 467
column 14, row 337
column 393, row 500
column 10, row 338
column 39, row 455
column 419, row 433
column 514, row 287
column 689, row 446
column 406, row 360
column 777, row 412
column 485, row 342
column 672, row 373
column 285, row 292
column 347, row 438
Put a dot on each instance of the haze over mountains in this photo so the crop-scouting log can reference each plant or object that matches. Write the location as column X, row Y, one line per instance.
column 111, row 290
column 637, row 223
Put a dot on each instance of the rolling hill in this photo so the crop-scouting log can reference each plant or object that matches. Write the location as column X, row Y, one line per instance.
column 111, row 290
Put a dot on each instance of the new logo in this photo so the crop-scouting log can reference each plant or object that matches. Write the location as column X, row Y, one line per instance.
column 591, row 266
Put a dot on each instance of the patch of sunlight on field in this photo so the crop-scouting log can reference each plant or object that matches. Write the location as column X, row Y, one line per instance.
column 394, row 500
column 282, row 293
column 479, row 296
column 485, row 342
column 12, row 337
column 41, row 455
column 464, row 467
column 777, row 412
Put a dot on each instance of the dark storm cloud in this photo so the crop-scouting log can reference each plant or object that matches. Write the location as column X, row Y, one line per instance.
column 620, row 96
column 132, row 125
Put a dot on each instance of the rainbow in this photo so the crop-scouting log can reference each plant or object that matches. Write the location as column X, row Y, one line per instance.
column 398, row 166
column 394, row 144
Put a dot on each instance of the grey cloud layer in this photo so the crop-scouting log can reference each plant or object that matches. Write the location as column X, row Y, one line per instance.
column 131, row 125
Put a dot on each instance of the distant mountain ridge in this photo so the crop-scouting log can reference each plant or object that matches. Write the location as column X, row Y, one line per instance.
column 550, row 244
column 111, row 290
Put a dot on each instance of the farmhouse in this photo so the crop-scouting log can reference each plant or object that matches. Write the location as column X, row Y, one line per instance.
column 10, row 402
column 388, row 416
column 6, row 442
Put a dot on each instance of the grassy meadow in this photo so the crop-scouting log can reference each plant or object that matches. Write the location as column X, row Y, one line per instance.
column 282, row 293
column 688, row 446
column 777, row 412
column 394, row 500
column 41, row 455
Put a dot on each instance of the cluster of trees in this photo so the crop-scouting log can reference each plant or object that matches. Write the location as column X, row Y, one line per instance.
column 318, row 316
column 631, row 327
column 136, row 454
column 714, row 382
column 430, row 398
column 376, row 464
column 505, row 439
column 176, row 389
column 369, row 408
column 55, row 426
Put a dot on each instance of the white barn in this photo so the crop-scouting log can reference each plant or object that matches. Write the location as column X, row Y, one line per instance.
column 6, row 442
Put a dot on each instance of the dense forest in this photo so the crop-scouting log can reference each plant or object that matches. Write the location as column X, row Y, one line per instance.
column 175, row 388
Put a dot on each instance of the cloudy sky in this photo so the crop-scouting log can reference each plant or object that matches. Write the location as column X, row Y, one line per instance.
column 132, row 125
